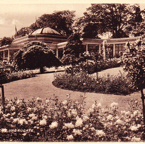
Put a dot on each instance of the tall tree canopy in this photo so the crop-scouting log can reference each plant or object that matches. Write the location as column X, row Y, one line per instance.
column 60, row 20
column 72, row 50
column 114, row 18
column 6, row 41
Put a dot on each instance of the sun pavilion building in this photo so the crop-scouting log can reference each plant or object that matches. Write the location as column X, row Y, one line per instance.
column 57, row 42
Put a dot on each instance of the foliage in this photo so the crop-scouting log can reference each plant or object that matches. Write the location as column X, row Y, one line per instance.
column 134, row 62
column 91, row 66
column 137, row 23
column 73, row 50
column 23, row 31
column 114, row 18
column 60, row 121
column 8, row 77
column 6, row 41
column 118, row 85
column 35, row 55
column 61, row 21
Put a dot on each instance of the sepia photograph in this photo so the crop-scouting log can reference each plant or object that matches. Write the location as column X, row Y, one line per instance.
column 72, row 71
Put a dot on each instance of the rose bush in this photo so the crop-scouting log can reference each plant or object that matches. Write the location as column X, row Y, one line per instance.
column 54, row 120
column 86, row 83
column 91, row 66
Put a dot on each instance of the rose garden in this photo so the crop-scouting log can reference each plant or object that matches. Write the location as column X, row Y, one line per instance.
column 72, row 118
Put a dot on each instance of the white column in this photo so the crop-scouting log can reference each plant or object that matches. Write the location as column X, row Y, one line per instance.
column 3, row 55
column 87, row 47
column 8, row 55
column 99, row 48
column 57, row 52
column 113, row 50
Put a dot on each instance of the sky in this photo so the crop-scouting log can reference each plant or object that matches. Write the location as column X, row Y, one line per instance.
column 22, row 13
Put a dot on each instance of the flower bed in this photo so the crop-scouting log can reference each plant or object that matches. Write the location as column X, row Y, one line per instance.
column 92, row 67
column 84, row 82
column 54, row 120
column 8, row 77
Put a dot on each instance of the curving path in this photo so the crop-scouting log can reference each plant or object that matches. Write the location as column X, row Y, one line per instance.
column 41, row 86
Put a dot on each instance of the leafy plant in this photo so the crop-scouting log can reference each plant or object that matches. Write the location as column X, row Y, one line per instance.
column 134, row 64
column 83, row 82
column 35, row 55
column 52, row 120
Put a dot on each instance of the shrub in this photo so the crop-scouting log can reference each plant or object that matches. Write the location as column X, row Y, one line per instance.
column 54, row 120
column 8, row 77
column 91, row 66
column 86, row 83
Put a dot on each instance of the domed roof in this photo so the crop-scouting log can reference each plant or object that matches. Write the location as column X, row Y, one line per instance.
column 46, row 30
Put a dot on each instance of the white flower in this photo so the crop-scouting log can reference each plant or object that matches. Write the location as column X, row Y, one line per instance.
column 90, row 110
column 92, row 129
column 114, row 105
column 15, row 120
column 21, row 121
column 18, row 101
column 68, row 113
column 13, row 113
column 93, row 106
column 4, row 130
column 47, row 101
column 109, row 117
column 99, row 105
column 100, row 133
column 135, row 128
column 69, row 137
column 31, row 115
column 43, row 122
column 64, row 102
column 29, row 109
column 30, row 121
column 119, row 122
column 77, row 132
column 34, row 118
column 53, row 125
column 45, row 117
column 135, row 113
column 123, row 112
column 38, row 99
column 74, row 112
column 8, row 105
column 24, row 134
column 85, row 118
column 12, row 108
column 69, row 125
column 128, row 113
column 135, row 139
column 79, row 122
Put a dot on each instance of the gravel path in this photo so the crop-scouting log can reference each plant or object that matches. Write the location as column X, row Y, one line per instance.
column 41, row 86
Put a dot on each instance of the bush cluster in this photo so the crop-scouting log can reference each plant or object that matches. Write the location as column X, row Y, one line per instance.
column 84, row 82
column 91, row 66
column 8, row 77
column 53, row 120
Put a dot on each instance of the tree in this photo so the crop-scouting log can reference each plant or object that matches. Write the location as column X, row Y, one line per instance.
column 60, row 20
column 6, row 41
column 73, row 50
column 35, row 55
column 112, row 18
column 23, row 31
column 134, row 64
column 136, row 23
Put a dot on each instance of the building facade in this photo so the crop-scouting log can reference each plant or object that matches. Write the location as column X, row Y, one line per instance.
column 113, row 47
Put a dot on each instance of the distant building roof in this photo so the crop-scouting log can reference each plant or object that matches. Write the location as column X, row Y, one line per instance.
column 46, row 30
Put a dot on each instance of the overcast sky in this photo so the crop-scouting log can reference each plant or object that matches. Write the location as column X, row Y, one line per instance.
column 23, row 13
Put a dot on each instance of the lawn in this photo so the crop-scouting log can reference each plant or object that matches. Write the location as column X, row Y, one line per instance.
column 41, row 86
